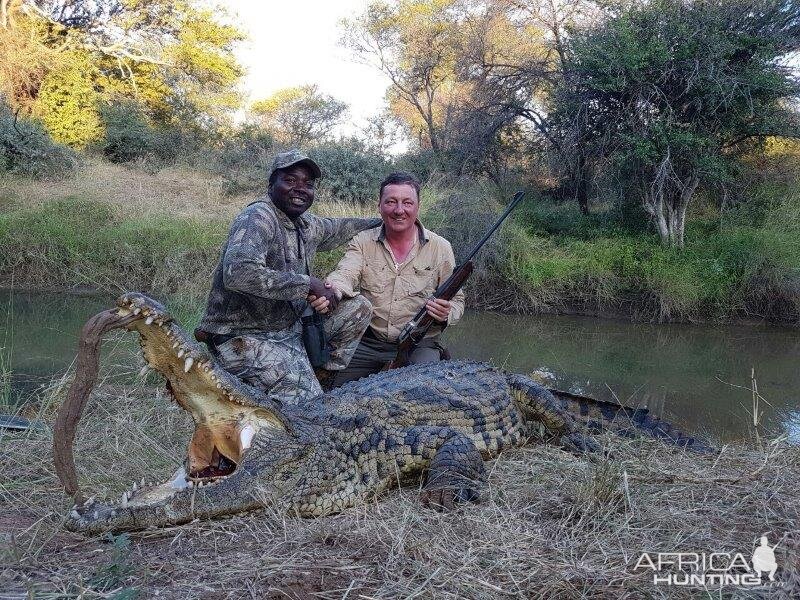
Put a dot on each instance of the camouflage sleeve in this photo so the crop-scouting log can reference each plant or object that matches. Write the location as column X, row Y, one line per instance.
column 332, row 233
column 244, row 267
column 445, row 270
column 347, row 275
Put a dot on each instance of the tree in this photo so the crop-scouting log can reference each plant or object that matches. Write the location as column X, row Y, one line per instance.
column 415, row 43
column 299, row 115
column 175, row 57
column 668, row 93
column 69, row 102
column 462, row 72
column 558, row 20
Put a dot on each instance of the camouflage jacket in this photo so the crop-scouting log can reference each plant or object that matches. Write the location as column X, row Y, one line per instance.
column 260, row 284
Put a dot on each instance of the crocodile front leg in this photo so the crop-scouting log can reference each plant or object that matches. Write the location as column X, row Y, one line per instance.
column 456, row 472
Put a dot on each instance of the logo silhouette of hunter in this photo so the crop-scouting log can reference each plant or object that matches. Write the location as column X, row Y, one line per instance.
column 764, row 559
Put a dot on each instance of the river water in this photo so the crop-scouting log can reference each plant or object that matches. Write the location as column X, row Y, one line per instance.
column 696, row 375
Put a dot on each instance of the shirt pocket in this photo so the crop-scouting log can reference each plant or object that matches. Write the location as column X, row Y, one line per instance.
column 374, row 280
column 422, row 282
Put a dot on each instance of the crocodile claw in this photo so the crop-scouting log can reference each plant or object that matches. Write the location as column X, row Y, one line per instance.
column 442, row 499
column 579, row 442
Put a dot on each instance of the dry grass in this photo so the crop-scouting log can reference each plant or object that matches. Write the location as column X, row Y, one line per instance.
column 176, row 191
column 181, row 192
column 554, row 525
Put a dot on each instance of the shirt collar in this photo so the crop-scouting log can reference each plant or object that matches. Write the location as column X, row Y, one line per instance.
column 380, row 233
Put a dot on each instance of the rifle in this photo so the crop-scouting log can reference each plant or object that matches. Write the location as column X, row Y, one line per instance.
column 414, row 331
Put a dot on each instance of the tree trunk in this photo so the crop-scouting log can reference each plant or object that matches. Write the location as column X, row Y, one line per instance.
column 678, row 204
column 579, row 184
column 654, row 205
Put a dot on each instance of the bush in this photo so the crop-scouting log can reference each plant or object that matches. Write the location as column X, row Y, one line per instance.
column 243, row 160
column 176, row 145
column 26, row 149
column 68, row 102
column 421, row 163
column 351, row 172
column 128, row 135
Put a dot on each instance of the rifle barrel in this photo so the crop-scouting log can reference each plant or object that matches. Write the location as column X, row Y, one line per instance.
column 517, row 199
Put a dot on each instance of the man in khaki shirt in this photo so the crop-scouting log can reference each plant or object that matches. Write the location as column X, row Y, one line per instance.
column 397, row 267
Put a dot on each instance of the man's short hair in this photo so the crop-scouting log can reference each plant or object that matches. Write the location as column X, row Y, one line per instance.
column 401, row 178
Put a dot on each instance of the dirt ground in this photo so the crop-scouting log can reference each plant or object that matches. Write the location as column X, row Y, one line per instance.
column 552, row 524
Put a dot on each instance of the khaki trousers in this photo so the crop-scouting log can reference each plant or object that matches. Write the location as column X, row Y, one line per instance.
column 373, row 354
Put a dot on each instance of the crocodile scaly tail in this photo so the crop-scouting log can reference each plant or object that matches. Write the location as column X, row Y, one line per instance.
column 565, row 412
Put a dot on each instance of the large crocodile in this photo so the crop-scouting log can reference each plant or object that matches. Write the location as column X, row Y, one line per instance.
column 438, row 420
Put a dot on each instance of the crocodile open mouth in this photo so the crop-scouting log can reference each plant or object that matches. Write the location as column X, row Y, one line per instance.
column 227, row 413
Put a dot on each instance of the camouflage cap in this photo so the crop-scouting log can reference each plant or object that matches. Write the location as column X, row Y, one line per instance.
column 284, row 160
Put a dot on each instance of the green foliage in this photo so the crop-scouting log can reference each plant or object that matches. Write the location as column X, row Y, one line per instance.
column 203, row 71
column 300, row 115
column 174, row 57
column 351, row 172
column 27, row 150
column 670, row 92
column 542, row 217
column 721, row 270
column 422, row 163
column 113, row 575
column 243, row 160
column 128, row 135
column 68, row 102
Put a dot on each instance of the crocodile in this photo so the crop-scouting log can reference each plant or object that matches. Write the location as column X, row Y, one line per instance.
column 437, row 421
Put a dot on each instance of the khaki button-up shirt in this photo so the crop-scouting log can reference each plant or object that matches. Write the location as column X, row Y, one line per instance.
column 396, row 292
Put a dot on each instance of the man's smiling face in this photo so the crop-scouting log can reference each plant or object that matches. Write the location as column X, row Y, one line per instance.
column 293, row 190
column 399, row 206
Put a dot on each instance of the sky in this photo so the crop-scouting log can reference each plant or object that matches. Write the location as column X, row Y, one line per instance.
column 296, row 43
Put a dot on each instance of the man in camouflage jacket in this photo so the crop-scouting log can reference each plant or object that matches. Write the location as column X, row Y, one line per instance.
column 262, row 285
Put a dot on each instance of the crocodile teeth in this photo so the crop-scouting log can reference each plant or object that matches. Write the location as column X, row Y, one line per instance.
column 246, row 436
column 188, row 364
column 142, row 483
column 181, row 352
column 134, row 487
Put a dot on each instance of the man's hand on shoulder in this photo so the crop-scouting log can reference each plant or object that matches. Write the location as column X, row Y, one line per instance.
column 439, row 309
column 323, row 296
